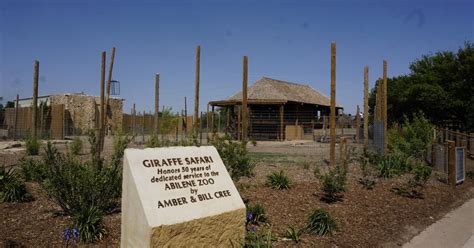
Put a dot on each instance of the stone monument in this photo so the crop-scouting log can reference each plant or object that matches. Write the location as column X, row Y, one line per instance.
column 179, row 197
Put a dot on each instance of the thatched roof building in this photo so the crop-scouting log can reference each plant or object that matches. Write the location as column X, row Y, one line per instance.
column 276, row 106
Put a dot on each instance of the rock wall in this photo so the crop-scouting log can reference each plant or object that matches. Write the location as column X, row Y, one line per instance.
column 84, row 112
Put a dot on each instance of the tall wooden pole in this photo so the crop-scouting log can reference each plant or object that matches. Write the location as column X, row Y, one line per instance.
column 384, row 108
column 35, row 100
column 332, row 121
column 157, row 102
column 185, row 118
column 244, row 99
column 366, row 106
column 102, row 102
column 109, row 80
column 357, row 124
column 16, row 116
column 196, row 90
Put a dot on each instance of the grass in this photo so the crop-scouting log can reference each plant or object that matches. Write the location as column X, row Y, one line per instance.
column 321, row 223
column 278, row 180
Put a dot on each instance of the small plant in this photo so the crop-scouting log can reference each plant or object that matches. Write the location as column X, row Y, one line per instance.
column 70, row 235
column 235, row 157
column 306, row 164
column 76, row 146
column 32, row 170
column 293, row 233
column 333, row 183
column 367, row 172
column 154, row 141
column 253, row 141
column 278, row 180
column 32, row 145
column 258, row 240
column 256, row 214
column 420, row 175
column 89, row 224
column 392, row 165
column 12, row 189
column 470, row 174
column 320, row 222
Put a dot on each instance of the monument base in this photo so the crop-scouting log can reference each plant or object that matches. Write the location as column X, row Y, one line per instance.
column 223, row 230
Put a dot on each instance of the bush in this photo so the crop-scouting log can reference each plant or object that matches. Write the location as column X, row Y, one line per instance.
column 392, row 165
column 32, row 145
column 256, row 214
column 413, row 141
column 32, row 170
column 12, row 189
column 76, row 146
column 153, row 142
column 367, row 179
column 258, row 240
column 320, row 222
column 333, row 183
column 88, row 222
column 412, row 188
column 278, row 180
column 293, row 233
column 235, row 157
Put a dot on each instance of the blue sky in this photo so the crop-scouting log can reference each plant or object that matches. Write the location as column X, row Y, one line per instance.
column 287, row 40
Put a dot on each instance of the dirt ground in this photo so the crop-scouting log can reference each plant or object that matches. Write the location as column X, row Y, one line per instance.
column 365, row 218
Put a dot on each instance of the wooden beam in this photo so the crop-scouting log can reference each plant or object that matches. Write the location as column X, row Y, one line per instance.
column 451, row 163
column 109, row 80
column 366, row 107
column 282, row 128
column 244, row 99
column 384, row 108
column 196, row 88
column 357, row 124
column 157, row 104
column 332, row 121
column 185, row 118
column 35, row 100
column 16, row 117
column 102, row 102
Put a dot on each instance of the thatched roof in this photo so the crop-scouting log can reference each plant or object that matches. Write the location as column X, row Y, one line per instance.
column 268, row 90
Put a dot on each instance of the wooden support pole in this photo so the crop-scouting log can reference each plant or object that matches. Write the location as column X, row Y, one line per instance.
column 213, row 130
column 357, row 124
column 185, row 118
column 282, row 128
column 134, row 119
column 384, row 108
column 200, row 130
column 451, row 163
column 177, row 127
column 196, row 90
column 332, row 121
column 366, row 107
column 35, row 100
column 244, row 99
column 102, row 102
column 157, row 104
column 16, row 117
column 207, row 123
column 109, row 80
column 239, row 124
column 343, row 152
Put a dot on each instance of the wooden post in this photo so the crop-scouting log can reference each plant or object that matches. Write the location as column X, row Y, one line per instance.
column 134, row 115
column 433, row 153
column 35, row 100
column 239, row 124
column 196, row 90
column 244, row 99
column 109, row 80
column 213, row 130
column 219, row 121
column 282, row 131
column 357, row 124
column 207, row 123
column 185, row 118
column 366, row 107
column 332, row 121
column 177, row 126
column 102, row 102
column 451, row 163
column 200, row 130
column 157, row 104
column 471, row 144
column 16, row 117
column 384, row 108
column 343, row 151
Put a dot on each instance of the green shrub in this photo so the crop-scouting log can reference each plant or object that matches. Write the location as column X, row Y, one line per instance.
column 293, row 233
column 258, row 240
column 413, row 187
column 470, row 174
column 421, row 174
column 320, row 222
column 333, row 183
column 153, row 142
column 278, row 180
column 256, row 214
column 12, row 189
column 392, row 165
column 367, row 179
column 413, row 141
column 32, row 170
column 88, row 222
column 76, row 146
column 32, row 145
column 235, row 156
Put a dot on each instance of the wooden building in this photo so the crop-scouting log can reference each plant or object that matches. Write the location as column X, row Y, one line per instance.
column 278, row 110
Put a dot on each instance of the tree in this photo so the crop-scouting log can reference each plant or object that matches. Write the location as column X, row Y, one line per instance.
column 441, row 85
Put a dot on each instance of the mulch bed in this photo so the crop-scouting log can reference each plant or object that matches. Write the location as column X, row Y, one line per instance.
column 365, row 218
